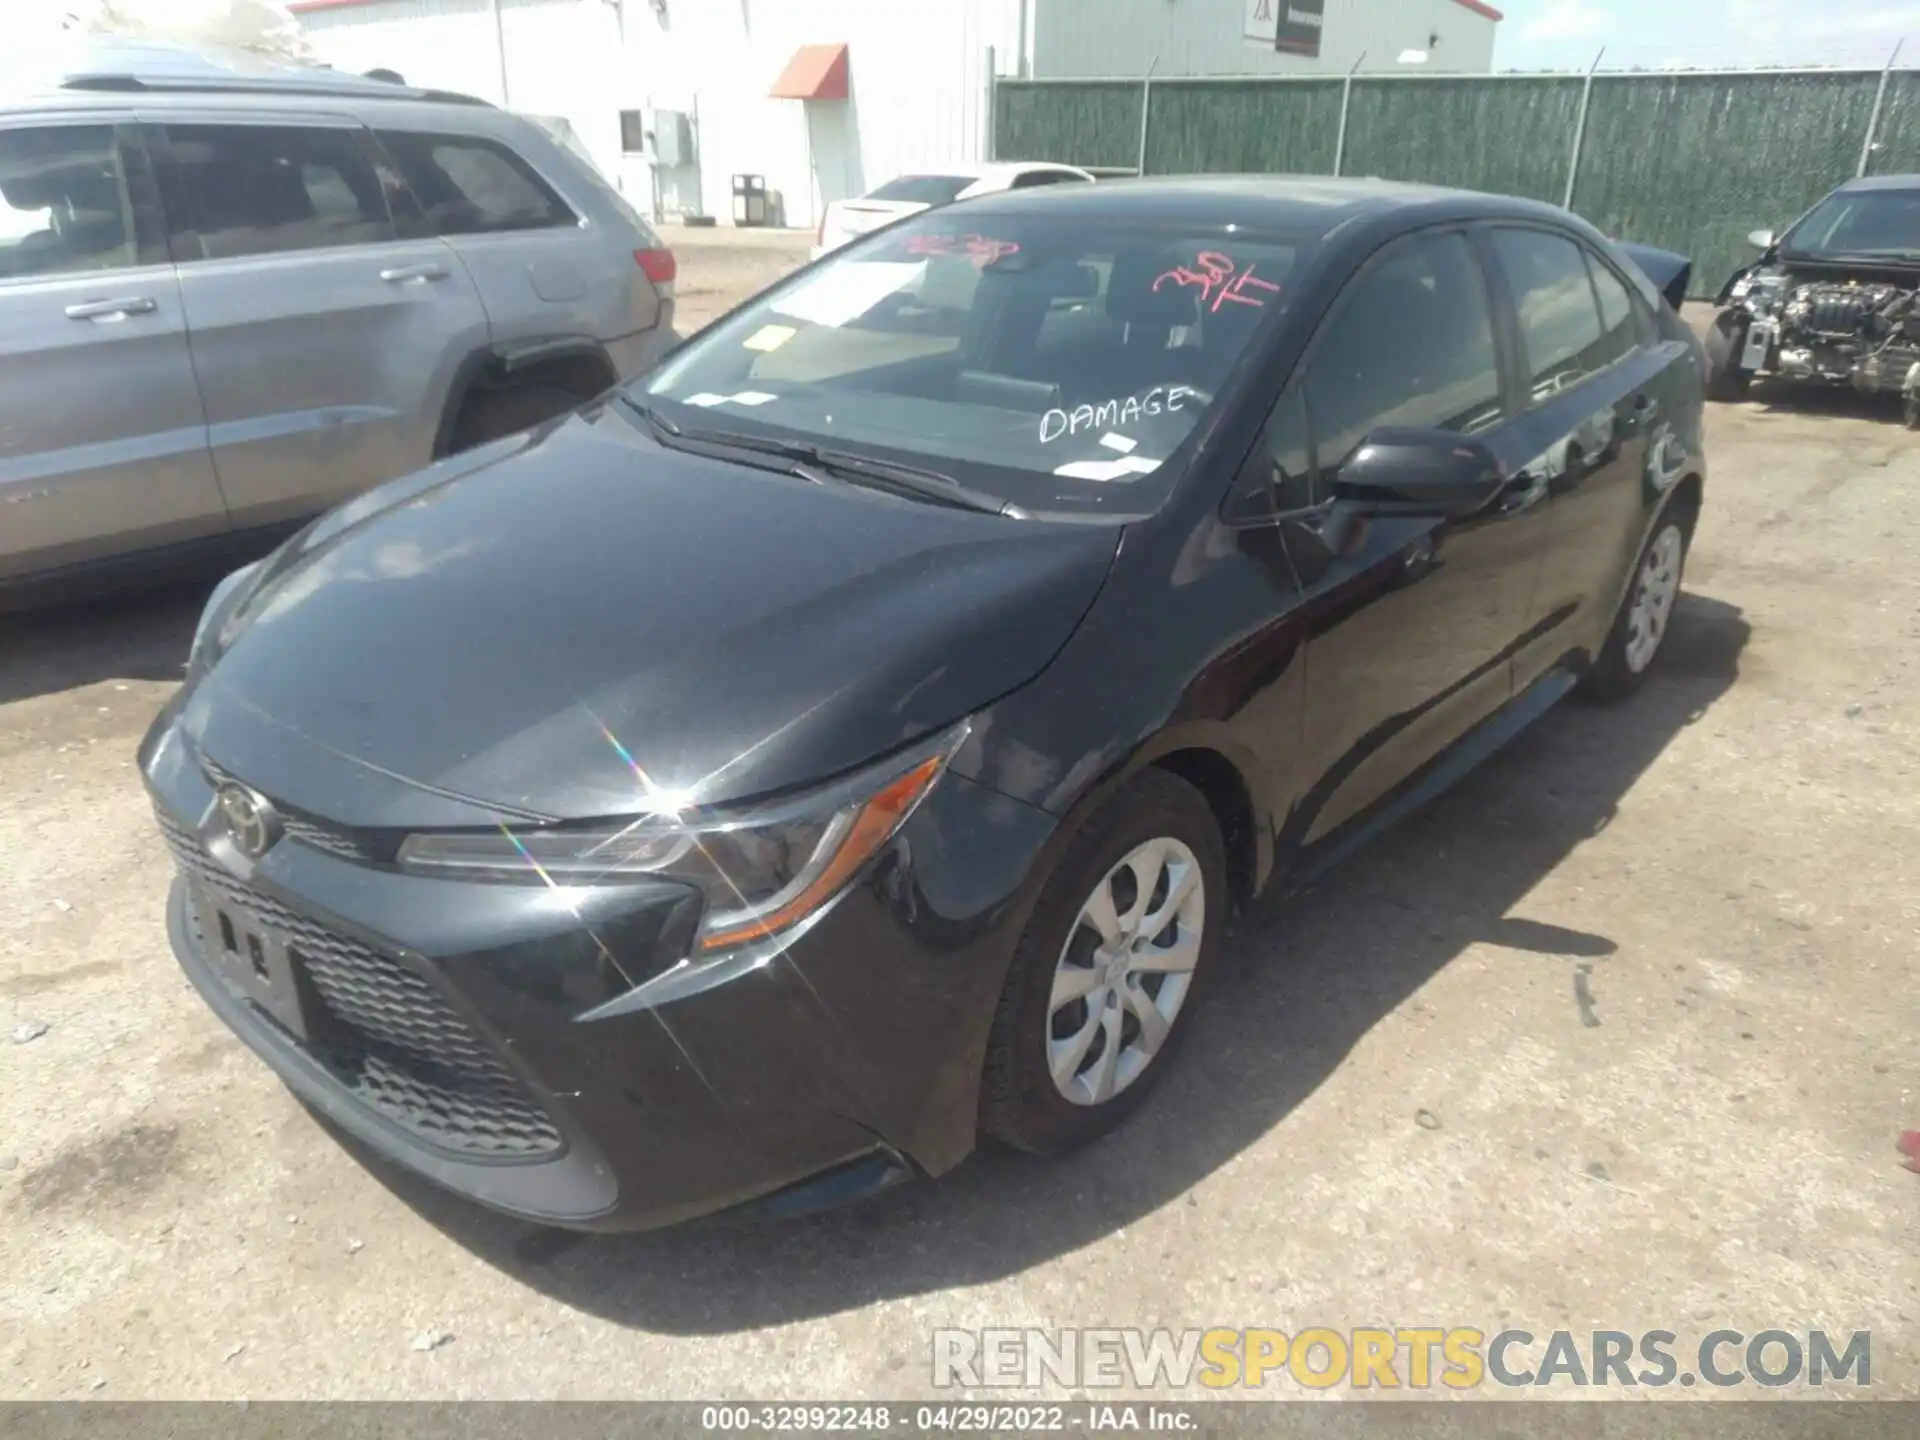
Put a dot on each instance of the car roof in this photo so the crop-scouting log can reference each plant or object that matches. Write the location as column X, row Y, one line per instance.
column 1881, row 182
column 1298, row 204
column 89, row 72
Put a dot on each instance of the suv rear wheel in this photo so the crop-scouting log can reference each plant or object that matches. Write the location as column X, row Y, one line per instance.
column 490, row 414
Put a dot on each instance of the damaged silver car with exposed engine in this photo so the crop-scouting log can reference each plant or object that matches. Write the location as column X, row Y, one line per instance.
column 1835, row 300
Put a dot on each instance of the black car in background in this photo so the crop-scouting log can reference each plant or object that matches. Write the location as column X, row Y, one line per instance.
column 1835, row 300
column 851, row 740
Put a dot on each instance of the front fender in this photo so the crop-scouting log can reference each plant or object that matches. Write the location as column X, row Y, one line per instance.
column 1725, row 297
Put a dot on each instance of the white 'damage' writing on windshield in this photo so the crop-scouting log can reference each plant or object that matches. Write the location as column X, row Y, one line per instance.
column 1110, row 413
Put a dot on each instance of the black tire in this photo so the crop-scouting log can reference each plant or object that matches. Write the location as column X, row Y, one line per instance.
column 1020, row 1104
column 488, row 415
column 1614, row 676
column 1725, row 341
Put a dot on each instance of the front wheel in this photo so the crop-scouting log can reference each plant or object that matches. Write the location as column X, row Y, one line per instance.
column 1641, row 626
column 1104, row 978
column 1726, row 341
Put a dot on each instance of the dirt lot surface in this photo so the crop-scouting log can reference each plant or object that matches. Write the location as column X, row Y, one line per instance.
column 1618, row 1034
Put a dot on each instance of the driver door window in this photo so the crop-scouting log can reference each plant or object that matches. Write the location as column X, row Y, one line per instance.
column 1410, row 343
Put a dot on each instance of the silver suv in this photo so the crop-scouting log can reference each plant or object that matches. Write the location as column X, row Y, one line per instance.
column 234, row 294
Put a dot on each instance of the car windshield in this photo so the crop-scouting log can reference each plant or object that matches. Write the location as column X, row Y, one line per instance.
column 1056, row 364
column 1861, row 222
column 923, row 189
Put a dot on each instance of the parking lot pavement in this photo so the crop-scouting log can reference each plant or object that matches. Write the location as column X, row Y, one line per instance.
column 721, row 267
column 1618, row 1034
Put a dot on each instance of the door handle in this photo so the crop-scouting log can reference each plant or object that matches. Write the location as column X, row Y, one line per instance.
column 401, row 274
column 113, row 309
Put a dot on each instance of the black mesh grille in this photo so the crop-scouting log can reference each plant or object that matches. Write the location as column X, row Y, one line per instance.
column 385, row 1033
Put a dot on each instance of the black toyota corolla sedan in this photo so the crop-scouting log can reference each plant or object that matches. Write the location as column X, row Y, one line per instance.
column 851, row 740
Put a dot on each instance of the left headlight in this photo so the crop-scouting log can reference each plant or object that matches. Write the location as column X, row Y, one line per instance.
column 762, row 871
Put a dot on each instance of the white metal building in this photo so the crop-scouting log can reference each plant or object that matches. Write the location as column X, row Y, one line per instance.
column 823, row 99
column 1077, row 38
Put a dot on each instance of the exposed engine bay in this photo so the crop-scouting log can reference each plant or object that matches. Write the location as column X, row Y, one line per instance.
column 1808, row 323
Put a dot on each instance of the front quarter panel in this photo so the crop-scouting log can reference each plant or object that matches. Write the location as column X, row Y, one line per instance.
column 1195, row 644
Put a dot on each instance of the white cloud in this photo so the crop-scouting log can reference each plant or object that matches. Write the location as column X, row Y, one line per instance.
column 1568, row 20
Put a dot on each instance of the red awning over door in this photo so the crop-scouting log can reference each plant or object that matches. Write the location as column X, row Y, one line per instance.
column 816, row 72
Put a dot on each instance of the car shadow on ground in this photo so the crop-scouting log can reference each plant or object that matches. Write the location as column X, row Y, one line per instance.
column 143, row 635
column 1305, row 979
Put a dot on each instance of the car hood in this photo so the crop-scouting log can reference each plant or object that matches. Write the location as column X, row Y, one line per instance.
column 536, row 629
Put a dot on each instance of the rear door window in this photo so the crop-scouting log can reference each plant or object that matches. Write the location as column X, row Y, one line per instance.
column 469, row 186
column 1559, row 317
column 269, row 189
column 67, row 204
column 1619, row 324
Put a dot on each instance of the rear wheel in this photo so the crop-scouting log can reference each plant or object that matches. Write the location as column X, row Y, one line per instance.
column 1725, row 342
column 1107, row 971
column 1640, row 629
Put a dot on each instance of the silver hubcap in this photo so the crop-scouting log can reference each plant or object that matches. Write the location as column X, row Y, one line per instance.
column 1125, row 971
column 1654, row 593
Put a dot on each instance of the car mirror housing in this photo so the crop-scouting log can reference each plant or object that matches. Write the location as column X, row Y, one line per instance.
column 1420, row 472
column 1762, row 239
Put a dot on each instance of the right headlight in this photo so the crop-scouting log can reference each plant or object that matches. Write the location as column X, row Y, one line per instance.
column 762, row 870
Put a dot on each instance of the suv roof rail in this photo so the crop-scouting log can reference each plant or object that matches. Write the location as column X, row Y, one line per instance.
column 321, row 84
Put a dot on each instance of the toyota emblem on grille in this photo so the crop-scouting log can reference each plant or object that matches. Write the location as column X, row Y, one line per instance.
column 252, row 822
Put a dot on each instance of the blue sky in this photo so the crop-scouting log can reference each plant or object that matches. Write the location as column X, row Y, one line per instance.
column 1564, row 34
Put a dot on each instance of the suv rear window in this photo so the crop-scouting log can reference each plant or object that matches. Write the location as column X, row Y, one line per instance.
column 469, row 186
column 923, row 189
column 267, row 189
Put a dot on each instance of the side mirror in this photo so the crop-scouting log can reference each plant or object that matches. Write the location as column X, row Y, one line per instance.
column 1400, row 471
column 1762, row 239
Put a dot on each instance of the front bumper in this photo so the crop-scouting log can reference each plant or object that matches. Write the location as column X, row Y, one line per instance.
column 490, row 1037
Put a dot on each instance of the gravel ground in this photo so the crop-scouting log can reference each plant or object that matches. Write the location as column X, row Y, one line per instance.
column 1618, row 1034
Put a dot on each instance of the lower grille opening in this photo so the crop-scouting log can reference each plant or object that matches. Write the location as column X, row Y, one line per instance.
column 381, row 1029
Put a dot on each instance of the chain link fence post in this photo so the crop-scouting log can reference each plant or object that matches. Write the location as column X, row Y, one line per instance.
column 1146, row 111
column 1346, row 104
column 1879, row 106
column 1580, row 130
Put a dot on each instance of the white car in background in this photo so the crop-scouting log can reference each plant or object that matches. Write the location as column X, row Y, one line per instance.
column 910, row 194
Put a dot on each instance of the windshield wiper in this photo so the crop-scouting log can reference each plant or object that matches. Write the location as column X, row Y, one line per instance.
column 810, row 462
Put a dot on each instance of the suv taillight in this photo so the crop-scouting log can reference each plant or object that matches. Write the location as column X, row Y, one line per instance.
column 659, row 265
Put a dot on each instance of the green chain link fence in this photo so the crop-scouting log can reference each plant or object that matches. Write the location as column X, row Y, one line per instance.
column 1689, row 161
